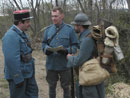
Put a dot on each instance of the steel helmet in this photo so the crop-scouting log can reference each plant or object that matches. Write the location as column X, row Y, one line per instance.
column 81, row 19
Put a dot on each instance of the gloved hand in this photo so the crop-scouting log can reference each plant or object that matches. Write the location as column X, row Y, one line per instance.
column 48, row 52
column 63, row 52
column 19, row 85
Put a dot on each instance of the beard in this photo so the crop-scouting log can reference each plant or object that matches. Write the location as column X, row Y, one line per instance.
column 77, row 31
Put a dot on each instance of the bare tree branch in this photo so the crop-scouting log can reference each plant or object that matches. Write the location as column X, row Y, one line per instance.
column 111, row 3
column 17, row 5
column 21, row 4
column 81, row 6
column 64, row 4
column 11, row 4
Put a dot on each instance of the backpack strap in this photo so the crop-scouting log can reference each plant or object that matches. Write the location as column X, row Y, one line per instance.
column 94, row 52
column 89, row 35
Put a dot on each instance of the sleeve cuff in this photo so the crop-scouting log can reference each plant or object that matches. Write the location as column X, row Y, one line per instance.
column 46, row 48
column 18, row 78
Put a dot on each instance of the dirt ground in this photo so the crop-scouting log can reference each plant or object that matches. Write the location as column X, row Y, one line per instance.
column 40, row 76
column 118, row 90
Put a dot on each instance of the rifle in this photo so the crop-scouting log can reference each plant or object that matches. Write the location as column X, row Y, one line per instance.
column 72, row 79
column 72, row 84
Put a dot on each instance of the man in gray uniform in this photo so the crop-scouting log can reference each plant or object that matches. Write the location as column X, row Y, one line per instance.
column 87, row 51
column 19, row 64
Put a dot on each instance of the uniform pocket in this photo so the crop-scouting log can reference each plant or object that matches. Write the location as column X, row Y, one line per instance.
column 27, row 67
column 64, row 40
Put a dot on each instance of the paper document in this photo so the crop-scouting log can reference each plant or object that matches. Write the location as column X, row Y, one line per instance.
column 55, row 49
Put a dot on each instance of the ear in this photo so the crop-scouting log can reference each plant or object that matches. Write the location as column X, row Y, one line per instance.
column 20, row 22
column 62, row 15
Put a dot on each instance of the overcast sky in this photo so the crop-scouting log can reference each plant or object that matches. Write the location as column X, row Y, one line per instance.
column 121, row 6
column 26, row 4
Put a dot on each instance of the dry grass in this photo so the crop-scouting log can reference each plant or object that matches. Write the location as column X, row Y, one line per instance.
column 4, row 92
column 119, row 90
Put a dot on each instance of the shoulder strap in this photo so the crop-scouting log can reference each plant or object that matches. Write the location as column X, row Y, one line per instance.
column 89, row 35
column 95, row 50
column 49, row 40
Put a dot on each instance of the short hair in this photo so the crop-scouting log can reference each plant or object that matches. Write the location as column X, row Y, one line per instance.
column 58, row 8
column 85, row 26
column 17, row 21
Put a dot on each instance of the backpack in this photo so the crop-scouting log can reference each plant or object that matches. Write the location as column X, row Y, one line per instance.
column 106, row 40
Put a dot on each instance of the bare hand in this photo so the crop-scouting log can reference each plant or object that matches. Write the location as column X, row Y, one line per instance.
column 69, row 55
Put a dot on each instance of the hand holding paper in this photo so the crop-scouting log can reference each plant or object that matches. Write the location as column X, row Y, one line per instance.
column 64, row 51
column 48, row 52
column 56, row 49
column 59, row 49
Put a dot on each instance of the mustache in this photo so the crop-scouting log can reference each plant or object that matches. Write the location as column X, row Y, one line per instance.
column 77, row 31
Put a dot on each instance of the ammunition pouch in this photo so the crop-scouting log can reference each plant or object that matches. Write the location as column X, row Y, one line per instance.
column 26, row 57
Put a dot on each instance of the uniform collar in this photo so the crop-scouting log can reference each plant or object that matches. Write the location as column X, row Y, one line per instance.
column 60, row 26
column 84, row 33
column 17, row 29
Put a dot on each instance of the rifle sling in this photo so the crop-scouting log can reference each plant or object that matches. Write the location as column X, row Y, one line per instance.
column 49, row 40
column 25, row 57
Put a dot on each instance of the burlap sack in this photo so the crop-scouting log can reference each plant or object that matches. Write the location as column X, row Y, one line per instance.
column 91, row 73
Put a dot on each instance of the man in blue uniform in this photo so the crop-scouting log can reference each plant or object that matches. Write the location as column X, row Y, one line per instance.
column 56, row 35
column 87, row 51
column 19, row 64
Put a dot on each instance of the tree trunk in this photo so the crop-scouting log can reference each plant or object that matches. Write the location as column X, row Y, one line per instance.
column 111, row 9
column 64, row 5
column 97, row 12
column 104, row 6
column 90, row 4
column 81, row 6
column 56, row 2
column 128, row 2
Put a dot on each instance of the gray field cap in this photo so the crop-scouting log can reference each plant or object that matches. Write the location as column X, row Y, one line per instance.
column 81, row 19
